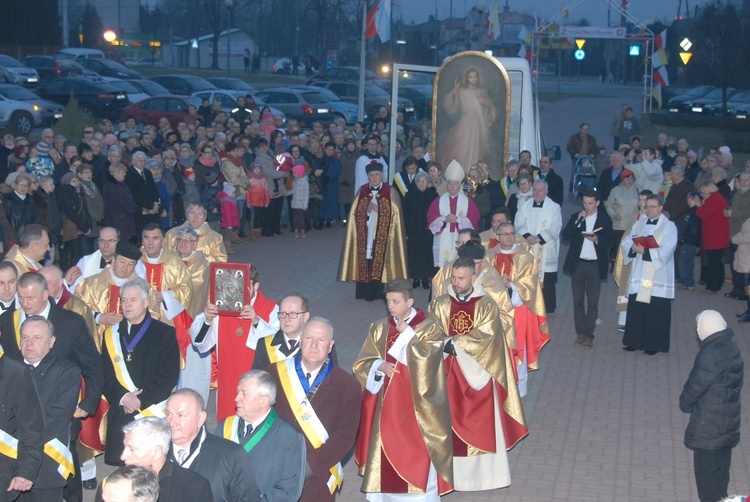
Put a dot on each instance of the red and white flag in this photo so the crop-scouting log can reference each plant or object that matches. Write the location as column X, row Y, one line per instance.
column 379, row 21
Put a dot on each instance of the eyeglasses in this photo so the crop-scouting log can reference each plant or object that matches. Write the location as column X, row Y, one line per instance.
column 290, row 315
column 186, row 240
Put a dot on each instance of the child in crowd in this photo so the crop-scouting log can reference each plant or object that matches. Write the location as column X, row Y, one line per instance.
column 192, row 194
column 230, row 216
column 690, row 237
column 300, row 199
column 209, row 199
column 257, row 199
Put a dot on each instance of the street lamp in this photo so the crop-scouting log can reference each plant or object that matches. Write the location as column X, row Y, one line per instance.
column 110, row 36
column 228, row 4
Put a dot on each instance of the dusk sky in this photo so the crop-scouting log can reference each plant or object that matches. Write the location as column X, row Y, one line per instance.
column 595, row 11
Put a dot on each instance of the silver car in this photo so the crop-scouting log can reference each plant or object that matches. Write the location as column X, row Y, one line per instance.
column 14, row 72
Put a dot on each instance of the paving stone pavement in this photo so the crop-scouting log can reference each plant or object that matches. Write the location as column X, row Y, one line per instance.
column 604, row 423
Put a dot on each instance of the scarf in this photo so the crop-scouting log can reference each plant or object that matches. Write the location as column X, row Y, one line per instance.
column 89, row 189
column 186, row 161
column 207, row 160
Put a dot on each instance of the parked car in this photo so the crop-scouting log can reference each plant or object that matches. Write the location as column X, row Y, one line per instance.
column 183, row 85
column 150, row 110
column 228, row 100
column 694, row 93
column 305, row 106
column 231, row 83
column 14, row 72
column 49, row 112
column 109, row 68
column 344, row 109
column 714, row 97
column 147, row 86
column 79, row 54
column 284, row 66
column 738, row 104
column 97, row 98
column 134, row 94
column 50, row 68
column 347, row 73
column 375, row 97
column 421, row 96
column 156, row 62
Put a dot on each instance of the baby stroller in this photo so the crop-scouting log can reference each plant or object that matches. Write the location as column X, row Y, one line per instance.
column 584, row 176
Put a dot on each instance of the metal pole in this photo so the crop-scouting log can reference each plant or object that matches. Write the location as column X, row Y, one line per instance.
column 229, row 29
column 361, row 98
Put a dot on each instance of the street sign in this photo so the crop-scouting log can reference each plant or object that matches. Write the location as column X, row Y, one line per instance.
column 685, row 56
column 579, row 54
column 580, row 42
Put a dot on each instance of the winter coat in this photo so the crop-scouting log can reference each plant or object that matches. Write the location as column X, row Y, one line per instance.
column 714, row 225
column 258, row 194
column 742, row 255
column 210, row 200
column 20, row 212
column 690, row 231
column 119, row 207
column 48, row 214
column 712, row 394
column 622, row 206
column 230, row 215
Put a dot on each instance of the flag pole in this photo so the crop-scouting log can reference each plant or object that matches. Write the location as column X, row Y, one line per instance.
column 361, row 99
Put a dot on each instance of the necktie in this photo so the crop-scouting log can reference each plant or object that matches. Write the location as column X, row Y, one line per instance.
column 292, row 345
column 308, row 376
column 248, row 430
column 182, row 454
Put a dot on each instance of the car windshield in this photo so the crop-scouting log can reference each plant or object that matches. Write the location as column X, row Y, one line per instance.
column 314, row 97
column 113, row 65
column 150, row 87
column 329, row 95
column 199, row 84
column 8, row 61
column 374, row 90
column 17, row 93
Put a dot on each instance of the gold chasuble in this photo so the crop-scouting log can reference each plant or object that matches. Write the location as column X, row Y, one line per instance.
column 404, row 431
column 486, row 412
column 22, row 264
column 198, row 267
column 532, row 332
column 388, row 243
column 210, row 243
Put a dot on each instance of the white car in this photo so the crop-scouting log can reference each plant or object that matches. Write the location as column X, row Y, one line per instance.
column 14, row 72
column 19, row 117
column 284, row 66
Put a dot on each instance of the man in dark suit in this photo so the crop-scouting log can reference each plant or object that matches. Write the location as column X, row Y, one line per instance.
column 20, row 417
column 587, row 262
column 335, row 398
column 146, row 444
column 294, row 311
column 58, row 382
column 219, row 460
column 275, row 449
column 404, row 179
column 146, row 194
column 141, row 365
column 555, row 186
column 73, row 343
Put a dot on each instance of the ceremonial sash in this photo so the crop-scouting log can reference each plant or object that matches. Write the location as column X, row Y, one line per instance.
column 61, row 455
column 230, row 429
column 255, row 439
column 8, row 445
column 114, row 299
column 17, row 326
column 114, row 348
column 303, row 411
column 400, row 184
column 306, row 417
column 274, row 352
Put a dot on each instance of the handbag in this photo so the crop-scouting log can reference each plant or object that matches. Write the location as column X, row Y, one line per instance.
column 69, row 230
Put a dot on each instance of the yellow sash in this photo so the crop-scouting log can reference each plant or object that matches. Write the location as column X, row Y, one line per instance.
column 62, row 457
column 2, row 351
column 274, row 353
column 8, row 445
column 303, row 411
column 17, row 326
column 301, row 407
column 114, row 348
column 230, row 429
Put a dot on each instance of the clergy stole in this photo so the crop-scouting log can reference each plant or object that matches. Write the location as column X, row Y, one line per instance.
column 504, row 264
column 183, row 321
column 114, row 300
column 92, row 434
column 473, row 421
column 493, row 242
column 382, row 229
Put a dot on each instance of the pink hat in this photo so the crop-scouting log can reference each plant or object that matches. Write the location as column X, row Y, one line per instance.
column 299, row 170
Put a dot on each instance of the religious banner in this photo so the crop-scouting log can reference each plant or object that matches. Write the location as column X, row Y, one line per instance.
column 471, row 120
column 230, row 287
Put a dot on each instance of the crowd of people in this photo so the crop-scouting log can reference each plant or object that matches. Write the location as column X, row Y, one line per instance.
column 104, row 297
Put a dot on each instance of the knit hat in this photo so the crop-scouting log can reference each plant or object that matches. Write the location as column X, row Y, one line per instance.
column 299, row 170
column 110, row 139
column 724, row 149
column 694, row 194
column 211, row 178
column 625, row 173
column 42, row 148
column 454, row 172
column 374, row 165
column 709, row 322
column 152, row 164
column 229, row 189
column 65, row 180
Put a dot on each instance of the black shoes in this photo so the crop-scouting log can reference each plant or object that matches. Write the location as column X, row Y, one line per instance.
column 737, row 296
column 415, row 283
column 629, row 348
column 425, row 284
column 649, row 352
column 89, row 484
